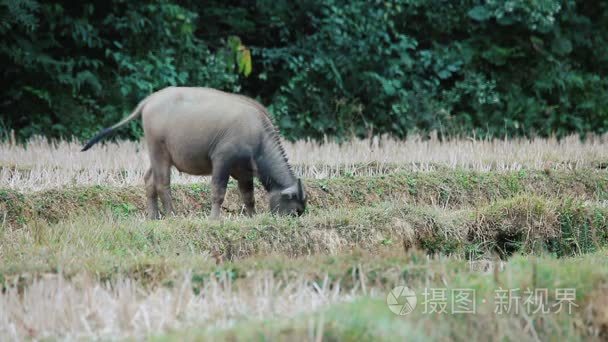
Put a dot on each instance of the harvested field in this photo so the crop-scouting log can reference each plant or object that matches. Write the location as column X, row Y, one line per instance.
column 41, row 164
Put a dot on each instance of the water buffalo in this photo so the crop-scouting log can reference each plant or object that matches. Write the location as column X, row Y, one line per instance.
column 203, row 131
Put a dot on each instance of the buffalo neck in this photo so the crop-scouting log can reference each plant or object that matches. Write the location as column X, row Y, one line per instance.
column 273, row 169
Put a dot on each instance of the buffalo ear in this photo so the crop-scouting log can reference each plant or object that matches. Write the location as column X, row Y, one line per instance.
column 300, row 189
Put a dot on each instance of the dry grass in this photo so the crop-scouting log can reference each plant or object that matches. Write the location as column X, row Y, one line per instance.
column 41, row 164
column 52, row 307
column 264, row 305
column 368, row 320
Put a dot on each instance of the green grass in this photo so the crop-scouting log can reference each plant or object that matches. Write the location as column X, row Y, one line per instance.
column 114, row 244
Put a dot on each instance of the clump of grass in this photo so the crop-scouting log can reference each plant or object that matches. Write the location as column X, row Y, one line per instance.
column 516, row 224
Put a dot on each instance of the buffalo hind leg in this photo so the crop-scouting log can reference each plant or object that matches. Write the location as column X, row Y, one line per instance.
column 219, row 182
column 151, row 195
column 161, row 171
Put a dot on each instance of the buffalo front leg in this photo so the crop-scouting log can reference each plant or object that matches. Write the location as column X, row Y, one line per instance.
column 151, row 195
column 246, row 189
column 219, row 182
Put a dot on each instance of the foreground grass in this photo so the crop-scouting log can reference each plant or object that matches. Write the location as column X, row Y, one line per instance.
column 319, row 297
column 369, row 319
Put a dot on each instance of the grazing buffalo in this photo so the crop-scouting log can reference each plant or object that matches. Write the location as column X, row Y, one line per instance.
column 203, row 131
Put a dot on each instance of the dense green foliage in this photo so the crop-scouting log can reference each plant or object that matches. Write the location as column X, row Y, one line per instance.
column 324, row 67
